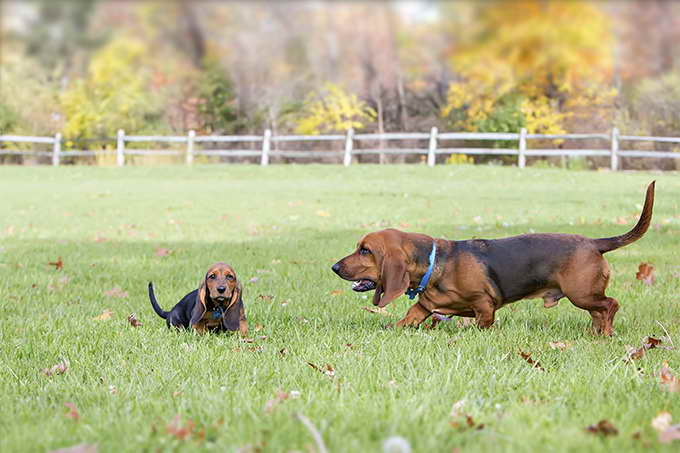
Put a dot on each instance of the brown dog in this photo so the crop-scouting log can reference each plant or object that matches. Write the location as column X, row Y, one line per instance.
column 476, row 277
column 215, row 306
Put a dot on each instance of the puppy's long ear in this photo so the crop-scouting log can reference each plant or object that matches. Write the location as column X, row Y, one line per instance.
column 200, row 305
column 231, row 318
column 394, row 279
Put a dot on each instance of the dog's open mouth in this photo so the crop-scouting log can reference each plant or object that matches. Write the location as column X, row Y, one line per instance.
column 220, row 298
column 363, row 285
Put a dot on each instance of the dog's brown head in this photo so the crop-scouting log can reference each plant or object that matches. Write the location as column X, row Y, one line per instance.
column 382, row 261
column 219, row 287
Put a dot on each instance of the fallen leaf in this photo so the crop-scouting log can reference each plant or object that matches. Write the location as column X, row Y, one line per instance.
column 534, row 363
column 662, row 421
column 322, row 213
column 465, row 322
column 132, row 319
column 175, row 394
column 266, row 297
column 336, row 292
column 669, row 382
column 73, row 412
column 645, row 273
column 106, row 314
column 180, row 430
column 58, row 265
column 638, row 353
column 283, row 352
column 258, row 327
column 112, row 389
column 670, row 434
column 561, row 345
column 272, row 403
column 327, row 370
column 116, row 292
column 604, row 428
column 59, row 368
column 80, row 448
column 377, row 310
column 456, row 409
column 162, row 252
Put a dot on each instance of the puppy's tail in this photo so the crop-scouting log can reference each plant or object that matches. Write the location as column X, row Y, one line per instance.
column 152, row 297
column 605, row 245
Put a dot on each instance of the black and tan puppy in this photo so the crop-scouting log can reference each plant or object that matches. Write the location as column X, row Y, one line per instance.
column 474, row 278
column 215, row 306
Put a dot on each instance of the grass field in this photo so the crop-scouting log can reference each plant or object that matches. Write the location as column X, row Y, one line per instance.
column 282, row 227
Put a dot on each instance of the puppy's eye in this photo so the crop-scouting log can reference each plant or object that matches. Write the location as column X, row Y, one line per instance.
column 212, row 276
column 230, row 277
column 364, row 251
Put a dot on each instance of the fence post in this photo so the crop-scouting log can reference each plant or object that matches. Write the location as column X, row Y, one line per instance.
column 120, row 148
column 615, row 149
column 190, row 147
column 521, row 157
column 432, row 147
column 349, row 143
column 266, row 145
column 56, row 150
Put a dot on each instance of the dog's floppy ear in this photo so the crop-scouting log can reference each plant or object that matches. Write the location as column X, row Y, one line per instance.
column 232, row 317
column 200, row 305
column 394, row 279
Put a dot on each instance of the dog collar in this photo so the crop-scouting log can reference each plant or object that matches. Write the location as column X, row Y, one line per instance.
column 217, row 312
column 412, row 293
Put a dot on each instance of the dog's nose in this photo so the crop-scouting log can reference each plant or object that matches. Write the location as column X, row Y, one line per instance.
column 336, row 267
column 221, row 289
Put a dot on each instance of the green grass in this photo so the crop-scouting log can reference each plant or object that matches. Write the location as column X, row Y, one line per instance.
column 286, row 225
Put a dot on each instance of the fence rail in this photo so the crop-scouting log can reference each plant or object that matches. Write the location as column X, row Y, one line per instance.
column 434, row 137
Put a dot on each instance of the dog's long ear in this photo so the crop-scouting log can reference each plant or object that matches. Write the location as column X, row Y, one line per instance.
column 394, row 279
column 231, row 318
column 200, row 305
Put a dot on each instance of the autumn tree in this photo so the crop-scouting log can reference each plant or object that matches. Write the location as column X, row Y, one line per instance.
column 533, row 65
column 333, row 110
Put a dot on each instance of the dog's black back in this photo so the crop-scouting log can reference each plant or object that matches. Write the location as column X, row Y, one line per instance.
column 180, row 315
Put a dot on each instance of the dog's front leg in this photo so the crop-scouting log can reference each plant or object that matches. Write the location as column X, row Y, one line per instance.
column 415, row 315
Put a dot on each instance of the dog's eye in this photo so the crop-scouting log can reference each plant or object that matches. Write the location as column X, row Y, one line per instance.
column 212, row 276
column 364, row 251
column 230, row 277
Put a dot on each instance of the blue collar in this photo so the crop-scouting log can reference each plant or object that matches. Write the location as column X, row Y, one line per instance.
column 412, row 293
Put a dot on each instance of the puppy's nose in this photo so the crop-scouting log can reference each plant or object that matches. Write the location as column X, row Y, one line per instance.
column 221, row 289
column 336, row 267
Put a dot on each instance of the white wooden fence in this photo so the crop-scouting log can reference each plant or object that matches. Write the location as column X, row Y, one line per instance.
column 352, row 146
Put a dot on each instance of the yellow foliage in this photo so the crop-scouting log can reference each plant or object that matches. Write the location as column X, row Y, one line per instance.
column 334, row 110
column 554, row 55
column 113, row 95
column 459, row 159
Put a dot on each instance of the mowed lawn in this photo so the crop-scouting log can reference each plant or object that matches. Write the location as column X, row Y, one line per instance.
column 282, row 227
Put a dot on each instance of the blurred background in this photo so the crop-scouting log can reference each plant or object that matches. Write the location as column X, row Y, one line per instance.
column 87, row 68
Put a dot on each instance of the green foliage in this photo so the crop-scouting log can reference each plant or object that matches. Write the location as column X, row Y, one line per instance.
column 333, row 110
column 218, row 104
column 114, row 95
column 8, row 118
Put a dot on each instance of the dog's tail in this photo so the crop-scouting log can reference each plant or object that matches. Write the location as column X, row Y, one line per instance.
column 605, row 245
column 152, row 297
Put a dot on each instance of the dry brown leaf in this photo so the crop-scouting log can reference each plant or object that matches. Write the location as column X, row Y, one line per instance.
column 534, row 363
column 258, row 327
column 176, row 393
column 322, row 213
column 80, row 448
column 116, row 292
column 603, row 428
column 180, row 430
column 265, row 297
column 561, row 345
column 59, row 368
column 272, row 403
column 134, row 322
column 645, row 273
column 106, row 314
column 73, row 412
column 327, row 369
column 638, row 353
column 669, row 382
column 58, row 265
column 160, row 251
column 283, row 352
column 465, row 322
column 377, row 310
column 670, row 434
column 336, row 292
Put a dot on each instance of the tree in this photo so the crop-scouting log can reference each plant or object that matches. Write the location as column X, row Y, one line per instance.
column 533, row 64
column 333, row 110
